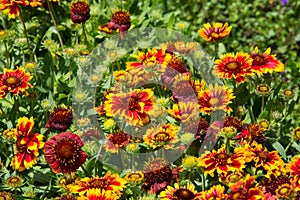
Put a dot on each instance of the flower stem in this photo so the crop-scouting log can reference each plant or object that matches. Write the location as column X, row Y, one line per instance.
column 6, row 54
column 84, row 34
column 262, row 103
column 54, row 22
column 26, row 34
column 216, row 49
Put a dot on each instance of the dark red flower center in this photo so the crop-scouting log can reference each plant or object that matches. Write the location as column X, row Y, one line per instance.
column 21, row 147
column 61, row 115
column 259, row 60
column 12, row 81
column 133, row 103
column 263, row 155
column 119, row 139
column 99, row 183
column 66, row 151
column 238, row 196
column 161, row 137
column 183, row 194
column 80, row 7
column 233, row 65
column 222, row 158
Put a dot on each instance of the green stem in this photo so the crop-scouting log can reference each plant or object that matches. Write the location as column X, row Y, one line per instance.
column 84, row 34
column 134, row 193
column 54, row 22
column 227, row 143
column 216, row 49
column 26, row 34
column 262, row 103
column 6, row 54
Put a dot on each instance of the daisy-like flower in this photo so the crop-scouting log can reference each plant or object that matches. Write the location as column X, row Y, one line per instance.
column 215, row 98
column 149, row 59
column 6, row 196
column 265, row 63
column 221, row 162
column 296, row 133
column 293, row 168
column 95, row 194
column 269, row 161
column 230, row 178
column 80, row 11
column 263, row 90
column 116, row 140
column 158, row 175
column 237, row 67
column 178, row 192
column 14, row 81
column 215, row 192
column 214, row 33
column 60, row 119
column 251, row 133
column 13, row 6
column 27, row 145
column 14, row 181
column 66, row 197
column 163, row 135
column 279, row 186
column 245, row 190
column 182, row 88
column 184, row 111
column 132, row 106
column 63, row 152
column 179, row 47
column 134, row 177
column 109, row 182
column 10, row 133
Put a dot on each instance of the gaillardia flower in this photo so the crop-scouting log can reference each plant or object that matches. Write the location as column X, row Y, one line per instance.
column 132, row 106
column 217, row 32
column 237, row 67
column 13, row 6
column 293, row 168
column 108, row 183
column 158, row 175
column 80, row 11
column 134, row 177
column 215, row 192
column 279, row 186
column 27, row 145
column 116, row 140
column 178, row 192
column 14, row 81
column 60, row 119
column 163, row 135
column 63, row 152
column 265, row 63
column 120, row 20
column 221, row 162
column 215, row 98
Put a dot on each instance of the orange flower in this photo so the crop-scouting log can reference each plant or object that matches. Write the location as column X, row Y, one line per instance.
column 279, row 186
column 116, row 140
column 244, row 189
column 237, row 67
column 14, row 81
column 215, row 192
column 133, row 106
column 221, row 162
column 215, row 33
column 215, row 98
column 27, row 145
column 265, row 63
column 12, row 5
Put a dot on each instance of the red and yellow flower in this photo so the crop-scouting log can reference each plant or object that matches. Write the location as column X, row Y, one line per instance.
column 215, row 192
column 265, row 63
column 237, row 67
column 214, row 33
column 63, row 152
column 116, row 140
column 221, row 162
column 294, row 169
column 95, row 194
column 133, row 106
column 215, row 98
column 111, row 183
column 13, row 6
column 149, row 59
column 245, row 190
column 14, row 81
column 27, row 145
column 178, row 192
column 163, row 135
column 60, row 119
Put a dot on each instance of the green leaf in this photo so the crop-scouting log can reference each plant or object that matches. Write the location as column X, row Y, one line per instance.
column 263, row 115
column 296, row 146
column 280, row 149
